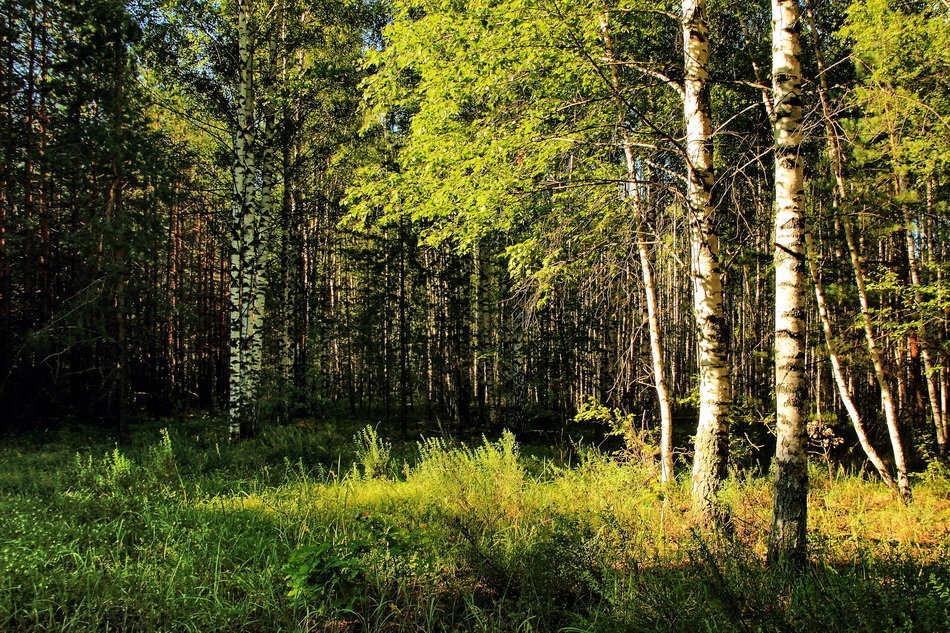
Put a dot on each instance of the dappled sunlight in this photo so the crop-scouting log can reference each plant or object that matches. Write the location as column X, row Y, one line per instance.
column 490, row 483
column 445, row 537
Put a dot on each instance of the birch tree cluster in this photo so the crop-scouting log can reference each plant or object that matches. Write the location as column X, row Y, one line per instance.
column 726, row 219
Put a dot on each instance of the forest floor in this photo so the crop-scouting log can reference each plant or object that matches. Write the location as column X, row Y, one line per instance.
column 309, row 529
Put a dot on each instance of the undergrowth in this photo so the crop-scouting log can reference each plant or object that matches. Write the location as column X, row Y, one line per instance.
column 303, row 529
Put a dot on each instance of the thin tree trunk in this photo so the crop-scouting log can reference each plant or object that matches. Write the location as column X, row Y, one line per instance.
column 935, row 375
column 114, row 211
column 844, row 391
column 837, row 162
column 874, row 351
column 263, row 202
column 7, row 153
column 646, row 273
column 656, row 352
column 930, row 375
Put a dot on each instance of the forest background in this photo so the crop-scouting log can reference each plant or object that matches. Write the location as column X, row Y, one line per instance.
column 464, row 217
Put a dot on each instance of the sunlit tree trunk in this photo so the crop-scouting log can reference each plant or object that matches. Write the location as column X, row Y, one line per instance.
column 844, row 391
column 656, row 355
column 715, row 387
column 931, row 366
column 841, row 196
column 790, row 509
column 646, row 274
column 930, row 372
column 874, row 351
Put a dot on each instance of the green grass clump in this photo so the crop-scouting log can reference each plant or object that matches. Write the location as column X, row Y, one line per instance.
column 304, row 530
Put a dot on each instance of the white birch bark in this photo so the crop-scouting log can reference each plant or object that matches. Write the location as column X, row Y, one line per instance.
column 938, row 402
column 836, row 157
column 656, row 354
column 715, row 387
column 242, row 236
column 247, row 247
column 649, row 287
column 787, row 538
column 874, row 351
column 265, row 200
column 837, row 372
column 653, row 326
column 930, row 374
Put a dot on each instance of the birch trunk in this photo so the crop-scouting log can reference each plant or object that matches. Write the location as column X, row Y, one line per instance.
column 841, row 195
column 264, row 201
column 938, row 401
column 653, row 325
column 244, row 340
column 874, row 351
column 787, row 538
column 656, row 352
column 930, row 373
column 649, row 287
column 715, row 388
column 844, row 390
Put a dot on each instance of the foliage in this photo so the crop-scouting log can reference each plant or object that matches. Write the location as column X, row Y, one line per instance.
column 484, row 147
column 639, row 443
column 327, row 571
column 372, row 455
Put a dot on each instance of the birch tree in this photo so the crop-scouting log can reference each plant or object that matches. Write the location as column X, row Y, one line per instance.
column 639, row 209
column 789, row 516
column 900, row 51
column 715, row 387
column 245, row 271
column 842, row 200
column 253, row 202
column 837, row 372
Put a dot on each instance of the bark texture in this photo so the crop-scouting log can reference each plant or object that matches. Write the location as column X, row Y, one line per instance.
column 789, row 515
column 246, row 271
column 715, row 387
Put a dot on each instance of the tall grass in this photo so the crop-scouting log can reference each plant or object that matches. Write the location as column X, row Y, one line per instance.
column 301, row 530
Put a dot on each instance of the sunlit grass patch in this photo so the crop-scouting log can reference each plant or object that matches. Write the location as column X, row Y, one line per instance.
column 443, row 537
column 862, row 514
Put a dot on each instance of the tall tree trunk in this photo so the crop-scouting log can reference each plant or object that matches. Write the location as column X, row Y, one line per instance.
column 715, row 388
column 930, row 373
column 263, row 202
column 484, row 306
column 289, row 252
column 646, row 271
column 245, row 247
column 934, row 371
column 403, row 308
column 656, row 354
column 114, row 212
column 787, row 539
column 874, row 351
column 7, row 154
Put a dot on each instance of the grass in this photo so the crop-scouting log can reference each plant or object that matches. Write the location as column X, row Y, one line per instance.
column 306, row 529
